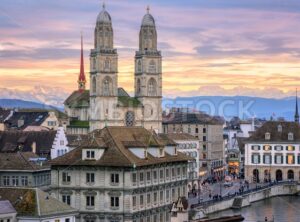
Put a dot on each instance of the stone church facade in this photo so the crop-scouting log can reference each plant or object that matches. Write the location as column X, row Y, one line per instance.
column 107, row 105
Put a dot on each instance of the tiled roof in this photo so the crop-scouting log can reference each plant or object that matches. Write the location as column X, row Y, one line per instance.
column 4, row 113
column 33, row 202
column 115, row 141
column 6, row 207
column 19, row 161
column 23, row 140
column 191, row 118
column 275, row 134
column 22, row 119
column 179, row 136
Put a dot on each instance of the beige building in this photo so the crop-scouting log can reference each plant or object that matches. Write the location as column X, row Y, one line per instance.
column 119, row 174
column 273, row 152
column 208, row 130
column 107, row 105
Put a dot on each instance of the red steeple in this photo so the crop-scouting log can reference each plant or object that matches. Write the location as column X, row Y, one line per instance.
column 81, row 79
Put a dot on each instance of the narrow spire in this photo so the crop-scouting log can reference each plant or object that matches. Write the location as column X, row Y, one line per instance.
column 148, row 9
column 296, row 110
column 81, row 79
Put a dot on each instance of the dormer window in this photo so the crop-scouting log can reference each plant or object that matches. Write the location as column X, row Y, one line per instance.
column 145, row 154
column 161, row 152
column 267, row 136
column 290, row 136
column 90, row 154
column 279, row 128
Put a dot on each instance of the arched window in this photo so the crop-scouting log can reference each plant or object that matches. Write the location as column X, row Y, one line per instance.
column 152, row 87
column 94, row 85
column 107, row 64
column 94, row 63
column 152, row 67
column 129, row 118
column 107, row 86
column 139, row 66
column 138, row 86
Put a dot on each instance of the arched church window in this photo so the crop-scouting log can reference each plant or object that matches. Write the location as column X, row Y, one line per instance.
column 94, row 89
column 94, row 63
column 152, row 87
column 106, row 64
column 152, row 66
column 106, row 87
column 139, row 66
column 138, row 86
column 129, row 118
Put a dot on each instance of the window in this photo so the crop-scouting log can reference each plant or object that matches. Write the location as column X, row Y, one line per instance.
column 148, row 176
column 6, row 181
column 178, row 172
column 114, row 178
column 152, row 66
column 139, row 66
column 161, row 174
column 204, row 138
column 155, row 197
column 184, row 171
column 138, row 86
column 107, row 64
column 94, row 85
column 204, row 130
column 66, row 199
column 141, row 200
column 155, row 175
column 255, row 158
column 129, row 118
column 133, row 177
column 290, row 148
column 278, row 148
column 15, row 180
column 24, row 180
column 267, row 136
column 290, row 136
column 152, row 87
column 167, row 195
column 90, row 177
column 114, row 201
column 90, row 201
column 290, row 159
column 196, row 130
column 278, row 159
column 106, row 87
column 267, row 147
column 161, row 196
column 66, row 178
column 167, row 173
column 173, row 172
column 161, row 152
column 94, row 63
column 134, row 201
column 267, row 159
column 204, row 147
column 62, row 142
column 67, row 220
column 90, row 154
column 148, row 198
column 141, row 177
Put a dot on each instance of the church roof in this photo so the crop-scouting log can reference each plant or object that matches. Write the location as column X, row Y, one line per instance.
column 148, row 19
column 115, row 141
column 80, row 99
column 104, row 16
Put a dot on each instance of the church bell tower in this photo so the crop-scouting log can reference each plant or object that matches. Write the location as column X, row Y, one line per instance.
column 148, row 74
column 103, row 74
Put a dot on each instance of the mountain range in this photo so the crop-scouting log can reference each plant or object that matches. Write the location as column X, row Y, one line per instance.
column 226, row 106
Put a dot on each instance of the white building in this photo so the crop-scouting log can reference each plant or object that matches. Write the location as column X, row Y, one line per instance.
column 7, row 211
column 60, row 144
column 119, row 174
column 189, row 145
column 273, row 152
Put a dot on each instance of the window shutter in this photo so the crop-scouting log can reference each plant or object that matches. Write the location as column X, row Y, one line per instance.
column 258, row 158
column 270, row 159
column 293, row 159
column 264, row 158
column 252, row 158
column 298, row 159
column 286, row 159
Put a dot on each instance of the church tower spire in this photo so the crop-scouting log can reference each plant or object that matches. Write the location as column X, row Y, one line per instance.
column 81, row 78
column 296, row 109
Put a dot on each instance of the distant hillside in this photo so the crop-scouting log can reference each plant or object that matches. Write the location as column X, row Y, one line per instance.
column 17, row 103
column 242, row 106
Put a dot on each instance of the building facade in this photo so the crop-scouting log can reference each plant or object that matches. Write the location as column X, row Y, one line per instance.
column 208, row 130
column 121, row 174
column 273, row 152
column 107, row 105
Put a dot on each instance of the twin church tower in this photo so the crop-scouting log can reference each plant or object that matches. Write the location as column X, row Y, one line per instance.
column 107, row 105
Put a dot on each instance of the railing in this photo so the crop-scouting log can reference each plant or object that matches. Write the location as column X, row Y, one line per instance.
column 230, row 196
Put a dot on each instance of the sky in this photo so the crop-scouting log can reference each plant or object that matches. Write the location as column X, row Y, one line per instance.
column 209, row 47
